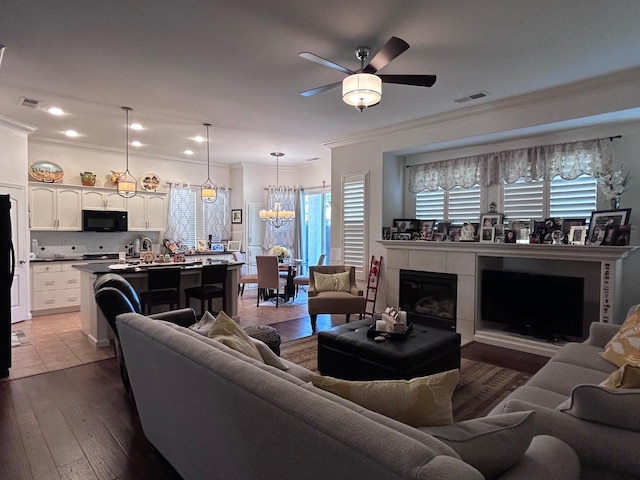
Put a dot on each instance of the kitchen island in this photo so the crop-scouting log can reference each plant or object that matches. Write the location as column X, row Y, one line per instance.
column 96, row 327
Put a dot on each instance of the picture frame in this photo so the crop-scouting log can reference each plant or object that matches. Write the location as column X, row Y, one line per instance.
column 487, row 234
column 609, row 235
column 455, row 232
column 623, row 235
column 401, row 236
column 438, row 237
column 468, row 232
column 407, row 224
column 427, row 228
column 236, row 216
column 567, row 223
column 217, row 247
column 577, row 235
column 601, row 220
column 511, row 236
column 386, row 233
column 522, row 229
column 234, row 245
column 490, row 220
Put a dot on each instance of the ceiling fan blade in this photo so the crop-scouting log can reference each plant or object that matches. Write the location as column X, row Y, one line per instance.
column 324, row 88
column 394, row 47
column 417, row 80
column 323, row 61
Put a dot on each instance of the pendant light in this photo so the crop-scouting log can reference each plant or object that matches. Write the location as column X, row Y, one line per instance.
column 208, row 191
column 126, row 183
column 276, row 216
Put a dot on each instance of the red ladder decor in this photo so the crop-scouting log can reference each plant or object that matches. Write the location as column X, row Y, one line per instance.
column 372, row 286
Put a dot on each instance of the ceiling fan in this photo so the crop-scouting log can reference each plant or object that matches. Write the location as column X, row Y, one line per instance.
column 363, row 87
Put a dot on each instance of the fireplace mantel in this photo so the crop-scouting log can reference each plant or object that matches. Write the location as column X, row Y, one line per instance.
column 609, row 272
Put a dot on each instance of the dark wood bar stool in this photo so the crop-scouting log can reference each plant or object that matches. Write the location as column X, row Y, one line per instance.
column 163, row 288
column 212, row 285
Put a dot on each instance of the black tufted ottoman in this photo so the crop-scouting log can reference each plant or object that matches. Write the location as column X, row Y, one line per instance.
column 267, row 334
column 346, row 352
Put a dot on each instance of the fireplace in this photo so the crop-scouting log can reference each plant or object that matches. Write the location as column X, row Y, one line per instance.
column 429, row 298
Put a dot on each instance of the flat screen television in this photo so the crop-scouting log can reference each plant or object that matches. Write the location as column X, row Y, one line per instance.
column 544, row 306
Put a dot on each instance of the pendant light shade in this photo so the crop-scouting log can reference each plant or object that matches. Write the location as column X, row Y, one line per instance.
column 126, row 183
column 208, row 191
column 362, row 90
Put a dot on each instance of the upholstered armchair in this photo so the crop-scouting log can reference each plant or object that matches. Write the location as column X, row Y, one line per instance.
column 334, row 290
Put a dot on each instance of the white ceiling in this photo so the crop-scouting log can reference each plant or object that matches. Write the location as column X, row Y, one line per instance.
column 235, row 65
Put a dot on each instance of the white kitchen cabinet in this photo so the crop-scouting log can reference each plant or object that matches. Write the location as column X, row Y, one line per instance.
column 54, row 285
column 102, row 199
column 55, row 207
column 147, row 212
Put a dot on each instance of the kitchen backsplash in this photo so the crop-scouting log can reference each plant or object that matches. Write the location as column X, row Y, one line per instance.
column 70, row 243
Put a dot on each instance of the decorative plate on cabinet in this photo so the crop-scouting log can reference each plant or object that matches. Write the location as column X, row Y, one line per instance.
column 150, row 182
column 47, row 172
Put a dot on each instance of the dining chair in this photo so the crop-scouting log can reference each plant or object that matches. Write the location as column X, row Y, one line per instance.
column 163, row 288
column 213, row 281
column 300, row 280
column 245, row 277
column 269, row 277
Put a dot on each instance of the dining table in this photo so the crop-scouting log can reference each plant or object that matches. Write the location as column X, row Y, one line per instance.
column 291, row 266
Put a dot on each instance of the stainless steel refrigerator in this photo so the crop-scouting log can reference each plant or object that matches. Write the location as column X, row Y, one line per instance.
column 7, row 269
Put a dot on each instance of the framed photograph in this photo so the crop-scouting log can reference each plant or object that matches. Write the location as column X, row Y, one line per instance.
column 217, row 247
column 577, row 235
column 236, row 216
column 401, row 236
column 603, row 219
column 488, row 234
column 438, row 237
column 490, row 220
column 407, row 224
column 623, row 235
column 454, row 233
column 386, row 233
column 609, row 235
column 426, row 229
column 234, row 245
column 510, row 236
column 522, row 230
column 567, row 223
column 468, row 232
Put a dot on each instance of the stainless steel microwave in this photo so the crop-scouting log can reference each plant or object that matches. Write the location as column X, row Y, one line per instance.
column 104, row 221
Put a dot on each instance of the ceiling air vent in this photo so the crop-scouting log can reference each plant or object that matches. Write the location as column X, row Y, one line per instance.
column 473, row 96
column 30, row 102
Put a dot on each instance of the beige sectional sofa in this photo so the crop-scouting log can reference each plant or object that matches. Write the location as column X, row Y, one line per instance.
column 215, row 413
column 602, row 425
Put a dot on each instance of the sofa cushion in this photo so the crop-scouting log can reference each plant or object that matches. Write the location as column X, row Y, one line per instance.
column 267, row 354
column 586, row 402
column 627, row 376
column 332, row 282
column 535, row 395
column 417, row 402
column 492, row 444
column 624, row 347
column 560, row 377
column 582, row 355
column 204, row 324
column 226, row 331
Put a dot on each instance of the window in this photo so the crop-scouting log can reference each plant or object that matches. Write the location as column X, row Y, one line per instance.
column 181, row 224
column 316, row 229
column 354, row 224
column 558, row 198
column 457, row 205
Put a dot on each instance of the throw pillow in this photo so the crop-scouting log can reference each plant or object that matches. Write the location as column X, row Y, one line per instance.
column 493, row 444
column 226, row 331
column 615, row 407
column 418, row 402
column 627, row 376
column 332, row 282
column 202, row 327
column 267, row 354
column 624, row 347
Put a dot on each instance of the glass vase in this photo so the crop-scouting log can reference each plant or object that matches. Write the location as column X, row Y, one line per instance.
column 615, row 202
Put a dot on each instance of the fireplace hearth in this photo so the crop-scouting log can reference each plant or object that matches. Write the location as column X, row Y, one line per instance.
column 429, row 298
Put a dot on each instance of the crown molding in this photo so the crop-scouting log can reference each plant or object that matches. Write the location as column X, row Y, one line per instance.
column 16, row 125
column 589, row 87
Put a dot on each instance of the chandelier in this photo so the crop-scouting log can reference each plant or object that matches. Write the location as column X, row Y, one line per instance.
column 126, row 183
column 276, row 216
column 208, row 190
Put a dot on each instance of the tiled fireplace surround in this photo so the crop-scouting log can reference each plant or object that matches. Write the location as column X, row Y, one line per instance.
column 610, row 284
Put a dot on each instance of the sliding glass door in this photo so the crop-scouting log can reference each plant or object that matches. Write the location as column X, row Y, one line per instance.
column 316, row 227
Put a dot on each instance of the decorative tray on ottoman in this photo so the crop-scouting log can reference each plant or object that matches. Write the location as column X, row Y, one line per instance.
column 372, row 332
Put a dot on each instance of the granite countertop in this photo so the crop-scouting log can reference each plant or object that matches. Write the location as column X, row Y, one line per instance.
column 106, row 256
column 102, row 268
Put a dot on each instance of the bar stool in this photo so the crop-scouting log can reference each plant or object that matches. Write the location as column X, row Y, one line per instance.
column 163, row 288
column 212, row 285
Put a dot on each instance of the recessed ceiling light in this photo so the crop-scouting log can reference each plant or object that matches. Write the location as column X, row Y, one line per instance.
column 188, row 152
column 71, row 133
column 136, row 126
column 55, row 111
column 199, row 139
column 136, row 143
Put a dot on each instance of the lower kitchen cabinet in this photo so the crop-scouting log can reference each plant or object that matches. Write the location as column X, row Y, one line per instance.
column 54, row 285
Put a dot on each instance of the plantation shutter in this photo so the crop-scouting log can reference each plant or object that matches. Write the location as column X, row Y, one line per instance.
column 524, row 200
column 354, row 225
column 463, row 204
column 430, row 205
column 573, row 198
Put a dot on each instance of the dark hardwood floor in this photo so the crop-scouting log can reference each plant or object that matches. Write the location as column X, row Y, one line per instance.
column 79, row 423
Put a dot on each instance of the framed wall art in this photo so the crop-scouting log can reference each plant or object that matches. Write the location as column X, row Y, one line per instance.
column 602, row 220
column 234, row 245
column 490, row 220
column 236, row 216
column 407, row 224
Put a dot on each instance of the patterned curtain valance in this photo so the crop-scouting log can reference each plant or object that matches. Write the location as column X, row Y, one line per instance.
column 568, row 160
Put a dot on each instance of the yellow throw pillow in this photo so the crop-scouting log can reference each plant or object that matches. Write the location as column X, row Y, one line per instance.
column 419, row 402
column 627, row 376
column 332, row 282
column 624, row 347
column 226, row 331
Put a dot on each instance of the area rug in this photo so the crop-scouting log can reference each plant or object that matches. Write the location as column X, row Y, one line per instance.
column 19, row 338
column 480, row 388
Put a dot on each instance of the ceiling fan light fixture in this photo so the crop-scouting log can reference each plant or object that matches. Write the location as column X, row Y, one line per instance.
column 362, row 90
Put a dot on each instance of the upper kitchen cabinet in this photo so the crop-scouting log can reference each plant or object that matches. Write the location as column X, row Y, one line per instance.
column 102, row 199
column 147, row 212
column 55, row 207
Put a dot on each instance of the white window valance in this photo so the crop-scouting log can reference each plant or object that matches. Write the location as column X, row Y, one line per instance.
column 568, row 160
